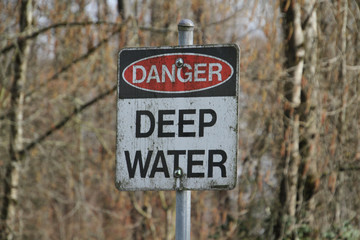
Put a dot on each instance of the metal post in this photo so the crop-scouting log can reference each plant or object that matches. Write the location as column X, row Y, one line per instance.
column 183, row 213
column 186, row 29
column 183, row 198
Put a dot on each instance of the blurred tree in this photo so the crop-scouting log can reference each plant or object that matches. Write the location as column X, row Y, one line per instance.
column 16, row 117
column 299, row 180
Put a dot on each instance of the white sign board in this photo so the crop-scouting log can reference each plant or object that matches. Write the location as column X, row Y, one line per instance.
column 177, row 114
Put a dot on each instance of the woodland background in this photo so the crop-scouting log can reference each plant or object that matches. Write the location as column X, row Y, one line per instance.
column 299, row 162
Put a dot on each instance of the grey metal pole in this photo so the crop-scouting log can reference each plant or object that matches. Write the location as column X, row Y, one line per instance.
column 186, row 30
column 183, row 213
column 183, row 198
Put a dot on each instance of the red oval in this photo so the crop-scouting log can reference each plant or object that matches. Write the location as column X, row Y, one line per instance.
column 160, row 74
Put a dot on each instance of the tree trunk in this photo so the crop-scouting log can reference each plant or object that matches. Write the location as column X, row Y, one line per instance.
column 342, row 128
column 124, row 9
column 308, row 175
column 298, row 102
column 11, row 181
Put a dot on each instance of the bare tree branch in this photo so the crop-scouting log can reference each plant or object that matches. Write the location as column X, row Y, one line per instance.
column 66, row 119
column 157, row 30
column 224, row 20
column 75, row 61
column 353, row 68
column 305, row 22
column 66, row 68
column 33, row 34
column 349, row 168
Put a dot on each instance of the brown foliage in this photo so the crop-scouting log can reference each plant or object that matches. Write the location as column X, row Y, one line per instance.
column 66, row 188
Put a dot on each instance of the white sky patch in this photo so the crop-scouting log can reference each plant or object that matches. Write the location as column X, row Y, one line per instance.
column 112, row 4
column 92, row 9
column 47, row 52
column 74, row 7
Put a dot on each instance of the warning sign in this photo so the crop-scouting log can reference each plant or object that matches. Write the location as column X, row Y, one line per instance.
column 177, row 114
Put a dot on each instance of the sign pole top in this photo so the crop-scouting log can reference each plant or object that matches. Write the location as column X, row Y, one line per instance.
column 185, row 25
column 186, row 28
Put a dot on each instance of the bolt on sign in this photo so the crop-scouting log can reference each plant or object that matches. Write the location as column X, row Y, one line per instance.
column 177, row 113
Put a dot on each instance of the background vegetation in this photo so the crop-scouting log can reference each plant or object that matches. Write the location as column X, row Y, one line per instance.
column 299, row 139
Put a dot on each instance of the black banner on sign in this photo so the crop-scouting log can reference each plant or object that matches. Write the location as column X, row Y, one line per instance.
column 171, row 72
